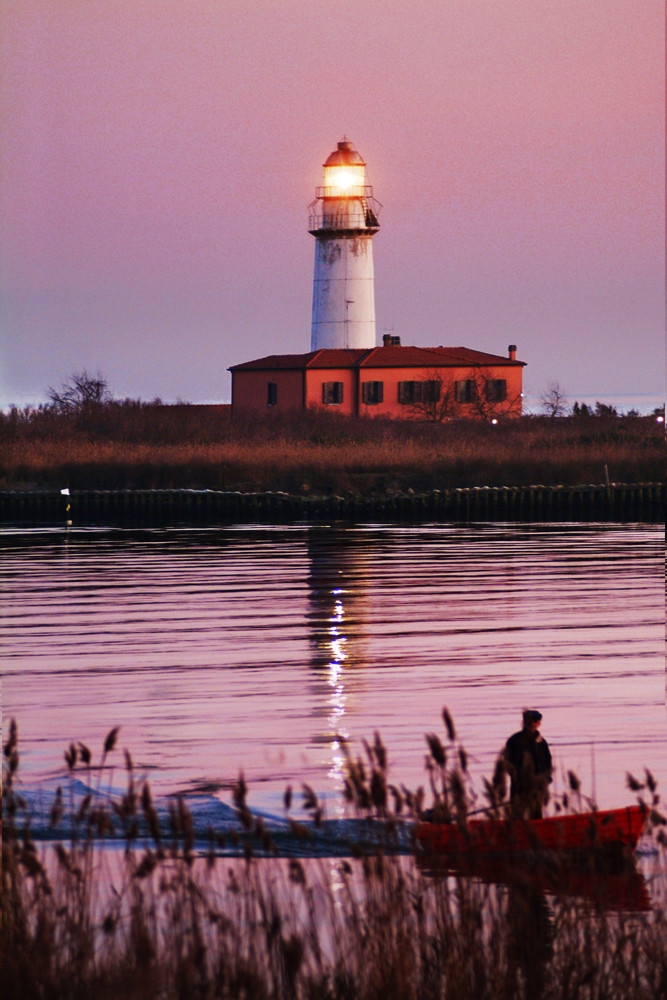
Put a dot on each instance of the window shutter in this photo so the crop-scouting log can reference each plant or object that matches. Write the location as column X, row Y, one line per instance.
column 371, row 392
column 465, row 390
column 496, row 390
column 332, row 392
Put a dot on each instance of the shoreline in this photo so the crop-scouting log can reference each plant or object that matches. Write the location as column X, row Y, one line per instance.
column 618, row 502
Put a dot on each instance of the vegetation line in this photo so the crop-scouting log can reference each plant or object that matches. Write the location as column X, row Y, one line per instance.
column 128, row 445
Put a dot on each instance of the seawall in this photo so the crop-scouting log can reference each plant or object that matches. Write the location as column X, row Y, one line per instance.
column 640, row 502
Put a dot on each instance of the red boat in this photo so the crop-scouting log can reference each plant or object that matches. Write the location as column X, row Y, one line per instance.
column 617, row 888
column 613, row 829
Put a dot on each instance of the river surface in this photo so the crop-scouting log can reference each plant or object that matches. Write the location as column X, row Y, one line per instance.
column 252, row 648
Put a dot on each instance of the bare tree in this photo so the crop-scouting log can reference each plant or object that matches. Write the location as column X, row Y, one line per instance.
column 553, row 400
column 80, row 391
column 483, row 394
column 479, row 394
column 429, row 398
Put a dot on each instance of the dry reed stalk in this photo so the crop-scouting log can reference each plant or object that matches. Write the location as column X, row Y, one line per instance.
column 162, row 920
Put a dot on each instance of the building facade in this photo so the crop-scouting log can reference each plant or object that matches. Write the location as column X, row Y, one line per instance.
column 419, row 383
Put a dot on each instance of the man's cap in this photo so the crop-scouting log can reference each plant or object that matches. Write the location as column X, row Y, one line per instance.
column 532, row 715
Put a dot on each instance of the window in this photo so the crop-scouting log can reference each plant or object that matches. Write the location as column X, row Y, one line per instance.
column 271, row 393
column 332, row 393
column 430, row 391
column 465, row 390
column 427, row 391
column 372, row 392
column 496, row 390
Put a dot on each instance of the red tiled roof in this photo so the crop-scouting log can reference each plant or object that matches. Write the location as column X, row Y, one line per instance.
column 431, row 357
column 379, row 357
column 340, row 358
column 275, row 361
column 331, row 357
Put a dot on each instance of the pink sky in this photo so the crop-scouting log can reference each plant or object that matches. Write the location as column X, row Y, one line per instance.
column 158, row 159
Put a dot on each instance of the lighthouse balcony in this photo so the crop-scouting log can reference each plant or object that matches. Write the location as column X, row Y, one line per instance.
column 343, row 213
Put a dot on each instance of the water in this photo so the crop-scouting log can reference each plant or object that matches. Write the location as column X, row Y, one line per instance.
column 257, row 648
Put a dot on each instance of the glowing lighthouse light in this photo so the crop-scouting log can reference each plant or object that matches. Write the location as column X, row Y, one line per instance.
column 343, row 220
column 341, row 180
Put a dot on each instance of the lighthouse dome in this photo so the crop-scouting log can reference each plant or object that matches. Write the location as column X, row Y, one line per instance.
column 345, row 156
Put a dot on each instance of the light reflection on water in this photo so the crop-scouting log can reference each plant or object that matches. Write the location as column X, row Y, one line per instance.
column 256, row 648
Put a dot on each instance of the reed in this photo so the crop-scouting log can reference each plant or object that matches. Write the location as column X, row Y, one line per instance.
column 165, row 918
column 147, row 446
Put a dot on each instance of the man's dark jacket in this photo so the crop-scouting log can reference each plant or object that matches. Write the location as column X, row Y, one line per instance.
column 529, row 755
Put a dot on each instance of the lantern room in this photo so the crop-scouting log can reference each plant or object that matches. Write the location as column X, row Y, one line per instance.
column 345, row 200
column 344, row 173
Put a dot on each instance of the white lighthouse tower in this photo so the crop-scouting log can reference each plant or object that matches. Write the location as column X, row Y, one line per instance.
column 343, row 220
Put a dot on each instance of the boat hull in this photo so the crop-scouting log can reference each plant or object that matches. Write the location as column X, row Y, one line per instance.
column 613, row 828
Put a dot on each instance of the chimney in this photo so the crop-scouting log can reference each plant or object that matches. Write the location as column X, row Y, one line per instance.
column 512, row 352
column 386, row 339
column 395, row 341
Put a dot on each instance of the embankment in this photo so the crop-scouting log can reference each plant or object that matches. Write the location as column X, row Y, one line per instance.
column 641, row 502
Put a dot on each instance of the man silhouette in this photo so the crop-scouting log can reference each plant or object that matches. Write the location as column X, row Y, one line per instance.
column 528, row 760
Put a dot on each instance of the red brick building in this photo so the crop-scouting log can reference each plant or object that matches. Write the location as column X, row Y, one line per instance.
column 433, row 383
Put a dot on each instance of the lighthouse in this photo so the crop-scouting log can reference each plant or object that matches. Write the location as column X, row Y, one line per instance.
column 343, row 219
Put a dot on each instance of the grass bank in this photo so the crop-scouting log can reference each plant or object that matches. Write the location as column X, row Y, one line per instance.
column 168, row 921
column 151, row 446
